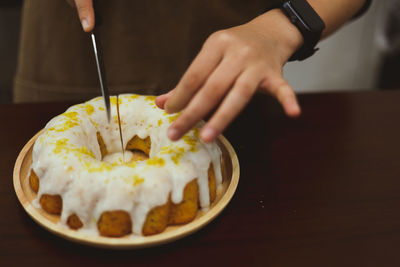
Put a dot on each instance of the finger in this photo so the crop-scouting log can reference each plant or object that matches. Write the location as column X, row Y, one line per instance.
column 161, row 99
column 196, row 75
column 86, row 14
column 219, row 82
column 286, row 96
column 241, row 93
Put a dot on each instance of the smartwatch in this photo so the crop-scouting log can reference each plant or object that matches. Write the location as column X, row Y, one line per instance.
column 309, row 23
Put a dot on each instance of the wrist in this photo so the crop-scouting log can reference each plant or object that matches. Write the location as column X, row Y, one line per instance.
column 276, row 24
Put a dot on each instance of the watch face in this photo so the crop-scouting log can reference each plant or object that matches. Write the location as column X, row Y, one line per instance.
column 303, row 16
column 307, row 15
column 294, row 17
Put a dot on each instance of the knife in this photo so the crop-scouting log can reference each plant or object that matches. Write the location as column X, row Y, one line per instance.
column 100, row 69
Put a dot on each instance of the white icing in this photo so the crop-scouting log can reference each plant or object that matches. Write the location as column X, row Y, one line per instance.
column 67, row 159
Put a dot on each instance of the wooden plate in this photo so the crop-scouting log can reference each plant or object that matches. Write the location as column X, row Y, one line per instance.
column 51, row 222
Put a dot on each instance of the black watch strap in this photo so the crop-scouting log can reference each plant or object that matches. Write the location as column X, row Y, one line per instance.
column 309, row 23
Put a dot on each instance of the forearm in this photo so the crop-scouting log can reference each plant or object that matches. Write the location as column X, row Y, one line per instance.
column 334, row 13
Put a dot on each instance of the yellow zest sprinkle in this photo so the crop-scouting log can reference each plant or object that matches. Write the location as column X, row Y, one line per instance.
column 95, row 124
column 156, row 162
column 70, row 169
column 83, row 150
column 102, row 166
column 71, row 115
column 101, row 108
column 166, row 150
column 113, row 101
column 131, row 164
column 132, row 97
column 60, row 145
column 118, row 162
column 137, row 180
column 173, row 117
column 159, row 122
column 66, row 126
column 79, row 106
column 150, row 98
column 89, row 109
column 196, row 132
column 176, row 158
column 176, row 154
column 115, row 118
column 191, row 141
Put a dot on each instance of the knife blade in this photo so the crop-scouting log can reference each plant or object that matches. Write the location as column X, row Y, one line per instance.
column 98, row 52
column 120, row 131
column 102, row 73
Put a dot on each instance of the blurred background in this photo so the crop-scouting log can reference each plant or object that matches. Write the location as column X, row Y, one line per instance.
column 10, row 16
column 354, row 58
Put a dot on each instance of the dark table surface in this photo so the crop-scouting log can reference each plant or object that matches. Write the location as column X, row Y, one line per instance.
column 321, row 190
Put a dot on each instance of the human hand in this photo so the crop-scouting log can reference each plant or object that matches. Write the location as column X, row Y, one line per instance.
column 85, row 12
column 228, row 70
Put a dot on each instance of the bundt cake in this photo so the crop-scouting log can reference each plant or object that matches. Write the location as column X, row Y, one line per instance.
column 83, row 172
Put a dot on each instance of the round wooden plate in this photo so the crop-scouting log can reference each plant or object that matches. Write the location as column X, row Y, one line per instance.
column 50, row 222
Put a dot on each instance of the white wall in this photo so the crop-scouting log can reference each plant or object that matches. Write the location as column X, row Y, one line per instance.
column 347, row 60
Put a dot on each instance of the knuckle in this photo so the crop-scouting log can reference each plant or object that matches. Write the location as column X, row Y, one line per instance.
column 245, row 89
column 214, row 87
column 244, row 85
column 190, row 115
column 244, row 51
column 210, row 96
column 191, row 81
column 221, row 37
column 223, row 117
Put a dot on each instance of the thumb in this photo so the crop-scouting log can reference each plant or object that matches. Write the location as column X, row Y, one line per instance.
column 162, row 99
column 86, row 14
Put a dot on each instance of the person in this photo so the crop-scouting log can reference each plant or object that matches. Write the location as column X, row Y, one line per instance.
column 226, row 50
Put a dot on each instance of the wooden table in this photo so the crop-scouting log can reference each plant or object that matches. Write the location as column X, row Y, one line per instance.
column 322, row 190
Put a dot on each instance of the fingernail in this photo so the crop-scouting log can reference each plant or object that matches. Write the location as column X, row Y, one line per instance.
column 173, row 134
column 208, row 134
column 85, row 24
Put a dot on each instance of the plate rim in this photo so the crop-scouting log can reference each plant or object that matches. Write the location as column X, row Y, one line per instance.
column 135, row 242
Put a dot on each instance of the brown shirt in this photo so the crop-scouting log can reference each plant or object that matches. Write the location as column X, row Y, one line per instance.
column 147, row 45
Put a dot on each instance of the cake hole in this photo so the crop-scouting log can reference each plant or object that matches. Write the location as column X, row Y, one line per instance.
column 138, row 155
column 102, row 145
column 139, row 144
column 137, row 149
